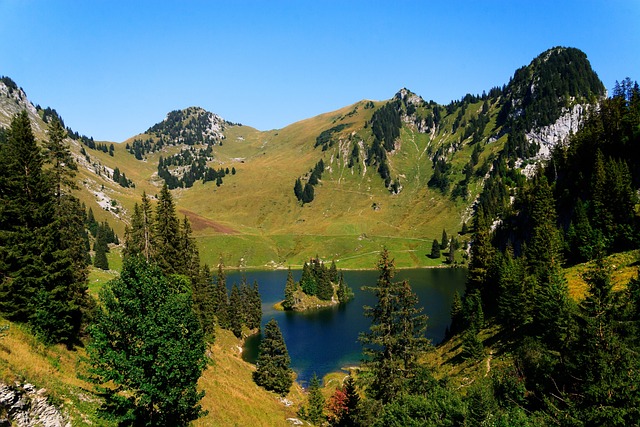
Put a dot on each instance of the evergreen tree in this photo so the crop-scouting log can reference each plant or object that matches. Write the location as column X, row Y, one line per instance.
column 235, row 312
column 166, row 233
column 255, row 307
column 333, row 272
column 344, row 292
column 148, row 347
column 324, row 289
column 444, row 241
column 101, row 248
column 203, row 301
column 272, row 367
column 603, row 361
column 307, row 281
column 42, row 248
column 139, row 239
column 396, row 337
column 456, row 314
column 308, row 193
column 63, row 164
column 289, row 292
column 221, row 300
column 435, row 250
column 189, row 255
column 315, row 406
column 297, row 189
column 345, row 411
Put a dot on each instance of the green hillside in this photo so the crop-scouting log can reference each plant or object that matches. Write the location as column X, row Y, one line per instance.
column 396, row 173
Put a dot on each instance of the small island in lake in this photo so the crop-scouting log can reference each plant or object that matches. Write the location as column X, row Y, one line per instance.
column 319, row 287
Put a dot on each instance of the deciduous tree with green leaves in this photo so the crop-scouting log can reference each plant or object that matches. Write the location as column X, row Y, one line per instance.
column 147, row 350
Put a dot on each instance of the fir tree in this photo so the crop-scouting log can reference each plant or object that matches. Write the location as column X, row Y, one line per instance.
column 324, row 289
column 203, row 292
column 100, row 259
column 444, row 241
column 396, row 337
column 272, row 367
column 435, row 250
column 63, row 164
column 289, row 292
column 307, row 281
column 221, row 300
column 166, row 233
column 235, row 312
column 315, row 405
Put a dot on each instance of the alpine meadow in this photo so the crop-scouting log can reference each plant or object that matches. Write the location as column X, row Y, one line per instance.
column 115, row 303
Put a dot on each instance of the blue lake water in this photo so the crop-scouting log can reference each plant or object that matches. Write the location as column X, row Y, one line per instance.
column 326, row 340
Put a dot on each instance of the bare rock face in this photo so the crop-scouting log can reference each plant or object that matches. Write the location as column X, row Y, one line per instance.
column 12, row 101
column 25, row 406
column 556, row 133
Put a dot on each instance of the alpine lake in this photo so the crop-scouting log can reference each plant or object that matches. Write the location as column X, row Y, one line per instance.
column 326, row 340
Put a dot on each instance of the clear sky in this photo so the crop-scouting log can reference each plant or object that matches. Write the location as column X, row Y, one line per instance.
column 114, row 68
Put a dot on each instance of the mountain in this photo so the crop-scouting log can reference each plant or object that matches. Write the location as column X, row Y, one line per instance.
column 393, row 173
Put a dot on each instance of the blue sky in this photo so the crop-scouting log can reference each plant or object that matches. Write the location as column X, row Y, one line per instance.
column 114, row 68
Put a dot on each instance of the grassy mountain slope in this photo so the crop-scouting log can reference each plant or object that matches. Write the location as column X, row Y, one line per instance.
column 231, row 396
column 253, row 219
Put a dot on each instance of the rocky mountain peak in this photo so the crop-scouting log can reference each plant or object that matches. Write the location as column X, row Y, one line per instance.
column 408, row 97
column 13, row 99
column 193, row 125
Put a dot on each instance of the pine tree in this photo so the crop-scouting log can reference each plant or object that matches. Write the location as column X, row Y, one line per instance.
column 203, row 292
column 456, row 314
column 324, row 289
column 189, row 255
column 344, row 405
column 444, row 241
column 333, row 272
column 396, row 337
column 435, row 250
column 235, row 312
column 100, row 259
column 148, row 347
column 289, row 292
column 166, row 233
column 221, row 300
column 315, row 406
column 255, row 308
column 307, row 281
column 272, row 367
column 297, row 189
column 63, row 163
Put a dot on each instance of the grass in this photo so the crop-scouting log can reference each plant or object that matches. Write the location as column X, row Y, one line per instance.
column 253, row 219
column 231, row 398
column 624, row 267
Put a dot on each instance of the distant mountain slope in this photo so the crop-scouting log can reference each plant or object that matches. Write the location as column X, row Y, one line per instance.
column 393, row 173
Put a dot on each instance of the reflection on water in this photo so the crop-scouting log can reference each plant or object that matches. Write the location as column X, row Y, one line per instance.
column 326, row 340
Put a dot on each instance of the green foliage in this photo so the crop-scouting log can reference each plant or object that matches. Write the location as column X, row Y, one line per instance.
column 289, row 290
column 396, row 338
column 147, row 349
column 559, row 74
column 101, row 248
column 314, row 411
column 42, row 252
column 325, row 139
column 435, row 250
column 272, row 367
column 344, row 405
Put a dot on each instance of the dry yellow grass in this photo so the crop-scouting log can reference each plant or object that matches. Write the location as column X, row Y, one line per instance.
column 624, row 268
column 232, row 398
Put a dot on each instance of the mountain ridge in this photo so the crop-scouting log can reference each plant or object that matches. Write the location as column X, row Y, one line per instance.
column 402, row 167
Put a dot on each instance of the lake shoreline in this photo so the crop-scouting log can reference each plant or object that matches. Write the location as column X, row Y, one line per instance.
column 298, row 268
